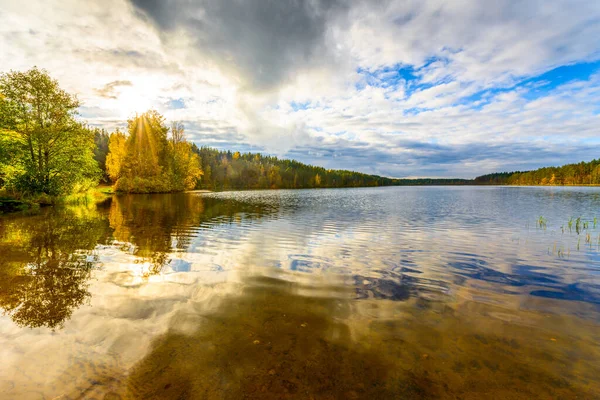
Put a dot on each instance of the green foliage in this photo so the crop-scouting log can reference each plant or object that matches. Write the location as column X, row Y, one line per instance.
column 148, row 161
column 10, row 149
column 583, row 173
column 101, row 138
column 49, row 151
column 542, row 222
column 498, row 178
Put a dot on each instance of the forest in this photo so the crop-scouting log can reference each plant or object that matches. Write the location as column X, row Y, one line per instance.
column 583, row 173
column 225, row 170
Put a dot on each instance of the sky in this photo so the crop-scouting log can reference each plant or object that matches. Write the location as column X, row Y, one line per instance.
column 411, row 88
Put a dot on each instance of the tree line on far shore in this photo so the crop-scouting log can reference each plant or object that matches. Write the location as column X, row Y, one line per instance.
column 583, row 173
column 225, row 170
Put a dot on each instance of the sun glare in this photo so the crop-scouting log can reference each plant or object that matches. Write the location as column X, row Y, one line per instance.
column 131, row 100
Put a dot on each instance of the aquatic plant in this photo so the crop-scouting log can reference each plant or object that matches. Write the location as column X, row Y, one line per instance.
column 542, row 222
column 588, row 238
column 570, row 223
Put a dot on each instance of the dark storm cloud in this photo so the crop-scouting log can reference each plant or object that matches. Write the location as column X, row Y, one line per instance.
column 262, row 41
column 108, row 90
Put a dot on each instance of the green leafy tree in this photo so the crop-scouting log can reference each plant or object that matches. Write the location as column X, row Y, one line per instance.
column 54, row 151
column 101, row 139
column 10, row 149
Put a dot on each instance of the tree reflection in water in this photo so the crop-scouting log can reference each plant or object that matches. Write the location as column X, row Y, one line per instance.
column 46, row 259
column 45, row 263
column 159, row 224
column 46, row 293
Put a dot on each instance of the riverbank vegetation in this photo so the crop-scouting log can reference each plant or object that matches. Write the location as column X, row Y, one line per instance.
column 45, row 149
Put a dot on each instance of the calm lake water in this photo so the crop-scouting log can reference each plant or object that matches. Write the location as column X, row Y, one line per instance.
column 382, row 293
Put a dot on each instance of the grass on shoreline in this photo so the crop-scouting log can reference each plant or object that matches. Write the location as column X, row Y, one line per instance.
column 13, row 203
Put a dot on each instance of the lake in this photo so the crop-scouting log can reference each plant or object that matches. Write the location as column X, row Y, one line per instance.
column 368, row 293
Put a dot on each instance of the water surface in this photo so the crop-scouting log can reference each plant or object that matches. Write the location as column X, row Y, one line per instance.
column 412, row 292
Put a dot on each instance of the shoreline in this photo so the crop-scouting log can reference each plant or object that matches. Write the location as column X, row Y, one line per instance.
column 9, row 205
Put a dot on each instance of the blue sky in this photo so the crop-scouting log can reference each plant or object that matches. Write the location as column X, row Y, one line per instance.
column 399, row 88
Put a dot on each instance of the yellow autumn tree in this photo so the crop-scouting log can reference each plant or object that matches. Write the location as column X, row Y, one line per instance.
column 185, row 166
column 148, row 160
column 116, row 153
